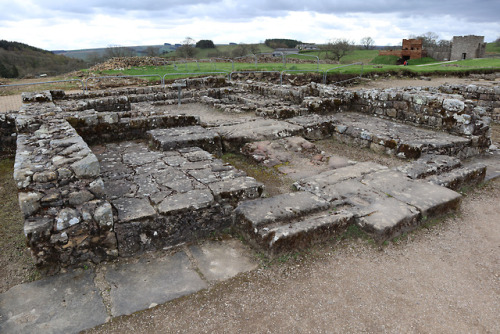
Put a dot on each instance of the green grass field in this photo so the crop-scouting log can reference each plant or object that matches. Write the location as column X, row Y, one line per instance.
column 372, row 64
column 429, row 65
column 493, row 49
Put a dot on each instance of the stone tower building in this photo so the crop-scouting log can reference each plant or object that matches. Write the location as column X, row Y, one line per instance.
column 467, row 47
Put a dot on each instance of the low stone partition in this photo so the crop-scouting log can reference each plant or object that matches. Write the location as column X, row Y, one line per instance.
column 191, row 84
column 99, row 127
column 61, row 194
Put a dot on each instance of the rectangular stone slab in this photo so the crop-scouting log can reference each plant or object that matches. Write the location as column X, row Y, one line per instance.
column 137, row 286
column 301, row 234
column 67, row 303
column 234, row 136
column 223, row 259
column 264, row 211
column 376, row 212
column 429, row 164
column 429, row 199
column 457, row 178
column 236, row 189
column 191, row 200
column 315, row 183
column 176, row 138
column 388, row 217
column 130, row 209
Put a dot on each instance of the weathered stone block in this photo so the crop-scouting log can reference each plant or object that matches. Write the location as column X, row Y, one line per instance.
column 29, row 203
column 87, row 167
column 67, row 217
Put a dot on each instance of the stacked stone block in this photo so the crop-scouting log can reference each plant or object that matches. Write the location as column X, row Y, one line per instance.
column 61, row 194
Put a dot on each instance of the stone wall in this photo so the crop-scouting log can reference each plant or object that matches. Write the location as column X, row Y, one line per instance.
column 486, row 99
column 102, row 127
column 61, row 194
column 472, row 46
column 446, row 110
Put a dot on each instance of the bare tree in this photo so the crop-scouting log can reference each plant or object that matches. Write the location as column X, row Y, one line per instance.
column 94, row 58
column 240, row 51
column 367, row 42
column 254, row 48
column 336, row 49
column 118, row 51
column 152, row 51
column 187, row 48
column 429, row 39
column 444, row 43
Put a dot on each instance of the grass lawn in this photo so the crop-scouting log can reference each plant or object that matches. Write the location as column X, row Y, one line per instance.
column 493, row 49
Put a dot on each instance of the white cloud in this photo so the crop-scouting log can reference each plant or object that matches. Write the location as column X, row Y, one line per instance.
column 57, row 24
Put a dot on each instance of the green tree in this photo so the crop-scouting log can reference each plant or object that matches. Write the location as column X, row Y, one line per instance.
column 281, row 43
column 205, row 44
column 4, row 72
column 15, row 72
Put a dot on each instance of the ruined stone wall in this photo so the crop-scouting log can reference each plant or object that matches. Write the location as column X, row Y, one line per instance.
column 420, row 107
column 61, row 194
column 102, row 127
column 68, row 218
column 444, row 112
column 439, row 53
column 472, row 46
column 486, row 99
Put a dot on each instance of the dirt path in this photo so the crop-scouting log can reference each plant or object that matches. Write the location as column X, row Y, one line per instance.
column 441, row 279
column 10, row 103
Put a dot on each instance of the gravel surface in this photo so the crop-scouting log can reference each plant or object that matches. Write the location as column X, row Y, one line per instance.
column 443, row 278
column 383, row 83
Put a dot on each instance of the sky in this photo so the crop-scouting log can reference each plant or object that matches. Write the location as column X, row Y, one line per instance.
column 71, row 25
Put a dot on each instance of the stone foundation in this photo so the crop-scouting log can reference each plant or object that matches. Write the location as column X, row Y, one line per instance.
column 124, row 196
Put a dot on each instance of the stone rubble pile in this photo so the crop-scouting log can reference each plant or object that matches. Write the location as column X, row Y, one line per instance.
column 117, row 63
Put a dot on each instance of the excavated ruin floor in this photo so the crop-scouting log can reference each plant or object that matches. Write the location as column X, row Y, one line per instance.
column 175, row 180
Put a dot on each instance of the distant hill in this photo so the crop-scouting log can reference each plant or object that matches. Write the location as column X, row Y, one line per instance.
column 19, row 60
column 100, row 54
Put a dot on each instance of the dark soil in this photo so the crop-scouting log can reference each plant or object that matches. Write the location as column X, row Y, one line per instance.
column 16, row 265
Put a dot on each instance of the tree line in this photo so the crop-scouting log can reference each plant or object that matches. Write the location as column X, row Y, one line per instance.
column 22, row 60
